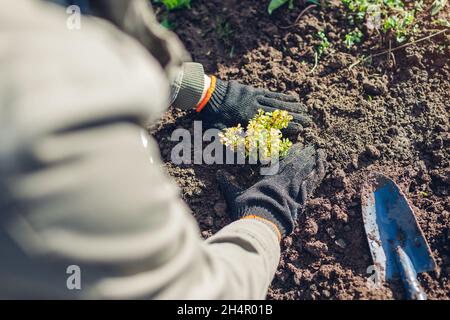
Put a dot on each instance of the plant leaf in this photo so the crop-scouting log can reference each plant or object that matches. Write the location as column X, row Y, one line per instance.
column 291, row 4
column 275, row 4
column 166, row 23
column 175, row 4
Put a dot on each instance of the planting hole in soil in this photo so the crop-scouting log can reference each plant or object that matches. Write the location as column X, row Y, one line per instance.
column 379, row 99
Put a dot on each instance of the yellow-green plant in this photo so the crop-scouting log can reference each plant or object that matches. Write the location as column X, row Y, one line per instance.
column 263, row 135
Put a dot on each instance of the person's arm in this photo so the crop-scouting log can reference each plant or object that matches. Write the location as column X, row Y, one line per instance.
column 219, row 103
column 189, row 87
column 77, row 186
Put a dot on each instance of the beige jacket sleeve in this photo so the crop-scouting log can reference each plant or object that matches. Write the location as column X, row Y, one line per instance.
column 77, row 187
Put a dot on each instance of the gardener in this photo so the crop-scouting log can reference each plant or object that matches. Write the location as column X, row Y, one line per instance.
column 77, row 192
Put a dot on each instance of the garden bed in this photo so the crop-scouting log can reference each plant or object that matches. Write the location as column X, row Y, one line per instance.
column 389, row 115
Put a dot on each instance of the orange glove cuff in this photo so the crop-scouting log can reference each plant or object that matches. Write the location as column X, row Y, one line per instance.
column 252, row 216
column 208, row 94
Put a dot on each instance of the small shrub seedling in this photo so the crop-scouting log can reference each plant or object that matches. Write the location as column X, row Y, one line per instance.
column 353, row 38
column 263, row 134
column 320, row 49
column 323, row 45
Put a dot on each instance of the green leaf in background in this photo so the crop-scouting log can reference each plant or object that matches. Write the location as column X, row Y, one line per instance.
column 437, row 6
column 175, row 4
column 275, row 4
column 166, row 23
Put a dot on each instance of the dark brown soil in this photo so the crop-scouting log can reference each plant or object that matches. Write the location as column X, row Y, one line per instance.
column 391, row 116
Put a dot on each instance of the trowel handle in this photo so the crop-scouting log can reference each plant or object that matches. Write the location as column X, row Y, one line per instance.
column 409, row 276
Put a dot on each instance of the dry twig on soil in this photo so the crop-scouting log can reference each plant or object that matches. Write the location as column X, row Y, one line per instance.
column 299, row 16
column 389, row 51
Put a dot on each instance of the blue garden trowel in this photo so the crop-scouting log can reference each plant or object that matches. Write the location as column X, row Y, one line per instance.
column 396, row 242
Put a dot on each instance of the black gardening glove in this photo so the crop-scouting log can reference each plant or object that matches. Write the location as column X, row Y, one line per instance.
column 232, row 103
column 278, row 198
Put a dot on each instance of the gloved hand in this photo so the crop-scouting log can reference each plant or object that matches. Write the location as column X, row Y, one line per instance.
column 232, row 103
column 279, row 198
